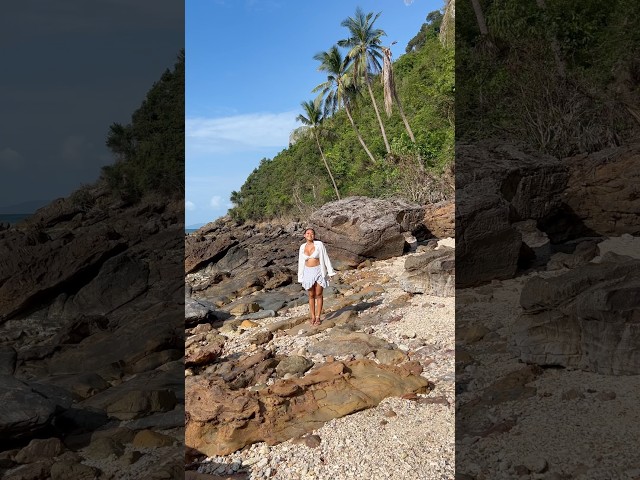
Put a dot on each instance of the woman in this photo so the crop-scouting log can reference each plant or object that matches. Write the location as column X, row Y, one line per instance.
column 314, row 270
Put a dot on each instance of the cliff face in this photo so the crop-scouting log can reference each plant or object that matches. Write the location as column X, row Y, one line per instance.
column 91, row 309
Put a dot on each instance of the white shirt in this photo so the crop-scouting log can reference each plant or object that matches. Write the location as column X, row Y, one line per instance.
column 325, row 263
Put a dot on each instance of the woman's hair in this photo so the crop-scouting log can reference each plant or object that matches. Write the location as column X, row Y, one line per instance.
column 307, row 229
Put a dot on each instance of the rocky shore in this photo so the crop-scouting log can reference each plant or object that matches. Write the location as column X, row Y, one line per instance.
column 91, row 340
column 269, row 396
column 547, row 304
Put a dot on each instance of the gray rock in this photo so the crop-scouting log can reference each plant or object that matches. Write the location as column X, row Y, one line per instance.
column 293, row 365
column 24, row 410
column 431, row 272
column 498, row 184
column 583, row 318
column 8, row 357
column 355, row 229
column 349, row 344
column 196, row 311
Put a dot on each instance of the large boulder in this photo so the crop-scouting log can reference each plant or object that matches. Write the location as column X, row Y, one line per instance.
column 603, row 190
column 356, row 229
column 431, row 272
column 496, row 186
column 585, row 318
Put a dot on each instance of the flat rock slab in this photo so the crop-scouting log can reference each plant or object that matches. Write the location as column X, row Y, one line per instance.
column 220, row 421
column 350, row 344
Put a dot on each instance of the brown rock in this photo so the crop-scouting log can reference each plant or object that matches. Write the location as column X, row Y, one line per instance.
column 196, row 354
column 439, row 218
column 137, row 403
column 39, row 449
column 602, row 191
column 497, row 184
column 149, row 438
column 221, row 420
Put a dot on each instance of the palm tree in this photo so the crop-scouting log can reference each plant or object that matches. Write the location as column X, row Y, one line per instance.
column 390, row 93
column 365, row 53
column 338, row 90
column 313, row 120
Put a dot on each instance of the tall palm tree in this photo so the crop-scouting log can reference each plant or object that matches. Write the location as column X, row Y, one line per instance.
column 339, row 89
column 313, row 120
column 365, row 53
column 390, row 93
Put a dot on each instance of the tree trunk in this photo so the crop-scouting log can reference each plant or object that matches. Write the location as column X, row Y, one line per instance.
column 326, row 164
column 375, row 107
column 353, row 124
column 560, row 64
column 390, row 93
column 482, row 24
column 404, row 118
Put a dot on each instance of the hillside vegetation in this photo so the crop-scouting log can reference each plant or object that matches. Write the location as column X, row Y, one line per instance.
column 562, row 76
column 326, row 159
column 150, row 149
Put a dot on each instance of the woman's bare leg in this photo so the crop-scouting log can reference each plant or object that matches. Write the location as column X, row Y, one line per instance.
column 312, row 304
column 319, row 299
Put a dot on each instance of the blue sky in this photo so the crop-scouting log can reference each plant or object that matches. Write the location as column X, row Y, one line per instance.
column 249, row 64
column 70, row 69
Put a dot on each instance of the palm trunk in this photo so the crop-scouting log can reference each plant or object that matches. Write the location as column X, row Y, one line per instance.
column 375, row 107
column 326, row 164
column 404, row 118
column 482, row 24
column 560, row 64
column 353, row 124
column 390, row 93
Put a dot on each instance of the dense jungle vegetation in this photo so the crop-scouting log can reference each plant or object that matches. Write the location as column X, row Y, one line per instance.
column 150, row 150
column 347, row 144
column 562, row 76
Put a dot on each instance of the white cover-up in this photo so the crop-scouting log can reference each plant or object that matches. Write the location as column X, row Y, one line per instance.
column 326, row 270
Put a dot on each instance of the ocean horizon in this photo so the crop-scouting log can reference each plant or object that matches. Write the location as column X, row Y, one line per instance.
column 13, row 218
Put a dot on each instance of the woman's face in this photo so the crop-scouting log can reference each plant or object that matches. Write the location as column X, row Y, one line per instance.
column 309, row 235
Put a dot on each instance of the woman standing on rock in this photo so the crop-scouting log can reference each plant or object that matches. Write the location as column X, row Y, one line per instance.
column 314, row 270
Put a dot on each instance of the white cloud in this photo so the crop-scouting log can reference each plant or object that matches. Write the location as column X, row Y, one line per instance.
column 239, row 133
column 215, row 201
column 189, row 205
column 10, row 159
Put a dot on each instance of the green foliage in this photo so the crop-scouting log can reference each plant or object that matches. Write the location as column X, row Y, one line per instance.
column 563, row 79
column 295, row 181
column 430, row 29
column 150, row 149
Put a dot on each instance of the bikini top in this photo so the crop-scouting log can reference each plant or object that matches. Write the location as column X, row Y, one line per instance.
column 315, row 254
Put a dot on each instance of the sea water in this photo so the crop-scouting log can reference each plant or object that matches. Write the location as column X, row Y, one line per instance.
column 13, row 218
